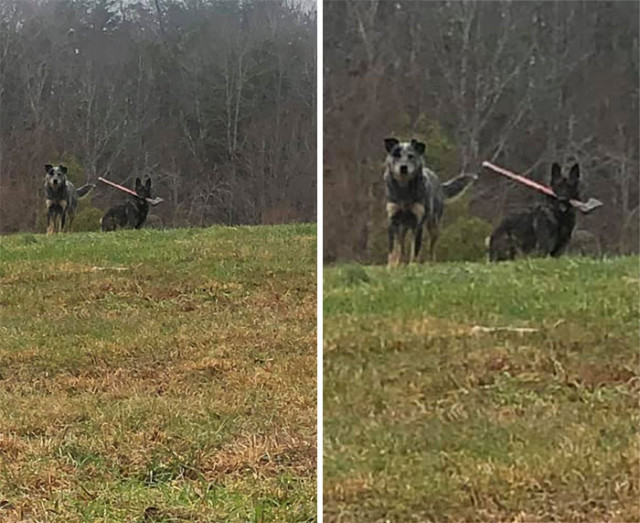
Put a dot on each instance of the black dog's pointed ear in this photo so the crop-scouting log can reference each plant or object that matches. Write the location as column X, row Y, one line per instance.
column 148, row 183
column 138, row 183
column 390, row 143
column 48, row 167
column 556, row 173
column 63, row 169
column 574, row 174
column 418, row 147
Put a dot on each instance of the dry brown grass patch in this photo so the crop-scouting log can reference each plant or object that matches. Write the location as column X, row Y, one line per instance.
column 263, row 456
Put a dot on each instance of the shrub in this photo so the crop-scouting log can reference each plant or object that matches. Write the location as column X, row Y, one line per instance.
column 87, row 219
column 463, row 240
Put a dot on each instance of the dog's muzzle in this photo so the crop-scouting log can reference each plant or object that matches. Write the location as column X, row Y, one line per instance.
column 402, row 174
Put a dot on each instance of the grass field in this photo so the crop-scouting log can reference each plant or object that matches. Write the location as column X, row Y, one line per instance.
column 431, row 416
column 159, row 375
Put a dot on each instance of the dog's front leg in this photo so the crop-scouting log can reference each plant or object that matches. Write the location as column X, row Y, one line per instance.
column 395, row 245
column 50, row 218
column 416, row 244
column 433, row 238
column 417, row 209
column 546, row 235
column 63, row 215
column 402, row 239
column 394, row 233
column 412, row 240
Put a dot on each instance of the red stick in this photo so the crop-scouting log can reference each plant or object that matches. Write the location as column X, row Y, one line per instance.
column 122, row 188
column 152, row 201
column 519, row 178
column 585, row 207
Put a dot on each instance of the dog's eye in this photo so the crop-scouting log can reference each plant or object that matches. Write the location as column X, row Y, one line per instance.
column 410, row 156
column 396, row 153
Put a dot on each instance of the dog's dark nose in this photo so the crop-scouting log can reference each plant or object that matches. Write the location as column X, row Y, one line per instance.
column 404, row 169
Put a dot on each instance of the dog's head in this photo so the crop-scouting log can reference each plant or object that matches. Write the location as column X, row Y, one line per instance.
column 143, row 190
column 565, row 187
column 56, row 176
column 404, row 159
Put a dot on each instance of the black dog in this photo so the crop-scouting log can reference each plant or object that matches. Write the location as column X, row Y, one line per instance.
column 62, row 198
column 133, row 213
column 415, row 198
column 546, row 228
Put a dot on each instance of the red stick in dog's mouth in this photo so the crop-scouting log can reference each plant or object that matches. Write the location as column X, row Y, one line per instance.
column 584, row 207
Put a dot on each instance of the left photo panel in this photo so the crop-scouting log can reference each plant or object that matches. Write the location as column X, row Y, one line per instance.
column 158, row 260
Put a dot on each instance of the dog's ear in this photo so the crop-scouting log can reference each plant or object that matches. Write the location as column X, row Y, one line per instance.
column 63, row 169
column 390, row 143
column 556, row 173
column 48, row 167
column 138, row 184
column 148, row 183
column 574, row 174
column 418, row 147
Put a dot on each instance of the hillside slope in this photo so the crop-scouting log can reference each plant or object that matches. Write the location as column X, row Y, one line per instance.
column 430, row 415
column 159, row 375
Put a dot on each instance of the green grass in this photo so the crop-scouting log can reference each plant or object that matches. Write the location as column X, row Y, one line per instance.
column 429, row 419
column 159, row 375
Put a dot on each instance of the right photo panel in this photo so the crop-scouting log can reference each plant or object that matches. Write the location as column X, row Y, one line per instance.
column 481, row 270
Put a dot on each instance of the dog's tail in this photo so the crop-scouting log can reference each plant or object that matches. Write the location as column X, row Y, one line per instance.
column 84, row 190
column 456, row 186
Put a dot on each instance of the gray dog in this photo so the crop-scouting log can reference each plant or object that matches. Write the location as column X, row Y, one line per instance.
column 62, row 198
column 415, row 198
